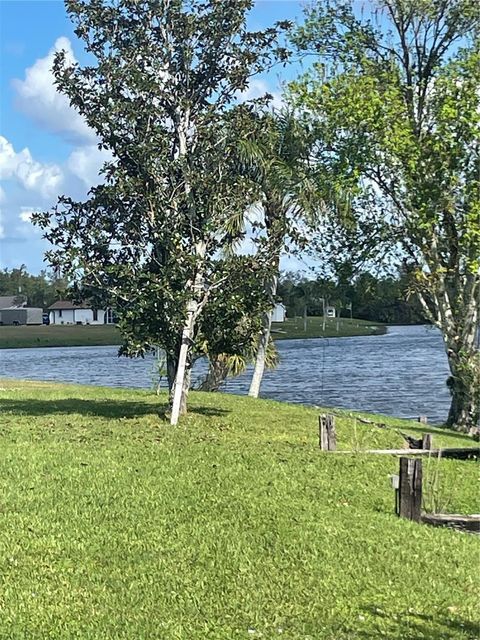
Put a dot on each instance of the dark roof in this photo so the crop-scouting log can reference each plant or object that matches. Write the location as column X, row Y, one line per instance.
column 66, row 304
column 12, row 302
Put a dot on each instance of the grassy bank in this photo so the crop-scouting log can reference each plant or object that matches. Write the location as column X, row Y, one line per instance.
column 344, row 327
column 233, row 526
column 91, row 336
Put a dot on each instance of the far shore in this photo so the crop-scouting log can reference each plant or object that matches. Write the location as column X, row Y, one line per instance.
column 28, row 337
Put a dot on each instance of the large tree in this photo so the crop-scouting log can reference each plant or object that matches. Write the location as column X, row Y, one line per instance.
column 159, row 95
column 396, row 101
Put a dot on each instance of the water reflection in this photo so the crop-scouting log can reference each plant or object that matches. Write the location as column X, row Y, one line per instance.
column 402, row 373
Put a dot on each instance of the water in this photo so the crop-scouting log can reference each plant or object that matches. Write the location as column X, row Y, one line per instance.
column 402, row 373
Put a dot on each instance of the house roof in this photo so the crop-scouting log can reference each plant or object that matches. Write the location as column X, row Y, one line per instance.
column 66, row 304
column 12, row 302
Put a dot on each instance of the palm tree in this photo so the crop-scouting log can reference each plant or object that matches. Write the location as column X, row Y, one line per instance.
column 277, row 159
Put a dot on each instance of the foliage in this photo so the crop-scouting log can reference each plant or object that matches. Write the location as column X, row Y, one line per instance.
column 40, row 291
column 377, row 298
column 397, row 111
column 159, row 97
column 234, row 527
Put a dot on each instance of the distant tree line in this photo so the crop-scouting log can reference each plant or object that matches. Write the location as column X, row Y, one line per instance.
column 379, row 298
column 41, row 290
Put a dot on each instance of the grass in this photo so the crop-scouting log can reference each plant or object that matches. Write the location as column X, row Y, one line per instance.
column 100, row 335
column 294, row 328
column 117, row 526
column 58, row 336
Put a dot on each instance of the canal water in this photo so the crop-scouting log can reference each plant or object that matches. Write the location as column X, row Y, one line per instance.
column 401, row 373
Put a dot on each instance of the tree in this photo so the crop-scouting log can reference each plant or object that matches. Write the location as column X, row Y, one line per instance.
column 276, row 158
column 397, row 107
column 40, row 291
column 160, row 99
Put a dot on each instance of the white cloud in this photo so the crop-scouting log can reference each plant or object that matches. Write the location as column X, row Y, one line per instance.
column 86, row 162
column 32, row 186
column 258, row 88
column 27, row 212
column 44, row 179
column 38, row 97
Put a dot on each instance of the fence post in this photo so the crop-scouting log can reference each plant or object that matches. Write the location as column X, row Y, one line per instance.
column 327, row 437
column 410, row 489
column 427, row 441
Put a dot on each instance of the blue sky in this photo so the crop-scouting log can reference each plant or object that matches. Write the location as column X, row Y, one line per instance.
column 45, row 148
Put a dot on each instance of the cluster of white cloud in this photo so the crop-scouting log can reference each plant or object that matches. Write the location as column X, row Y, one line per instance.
column 39, row 99
column 34, row 176
column 31, row 185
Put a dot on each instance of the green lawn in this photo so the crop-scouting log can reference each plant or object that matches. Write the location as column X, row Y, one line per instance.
column 58, row 336
column 295, row 328
column 115, row 525
column 91, row 335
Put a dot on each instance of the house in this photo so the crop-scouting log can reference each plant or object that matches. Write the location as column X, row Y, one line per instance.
column 330, row 312
column 13, row 302
column 66, row 312
column 279, row 312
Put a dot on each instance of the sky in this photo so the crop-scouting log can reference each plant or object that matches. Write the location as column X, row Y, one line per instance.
column 46, row 149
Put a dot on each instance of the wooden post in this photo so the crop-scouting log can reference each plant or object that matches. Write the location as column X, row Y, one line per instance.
column 410, row 489
column 327, row 437
column 427, row 441
column 395, row 480
column 423, row 419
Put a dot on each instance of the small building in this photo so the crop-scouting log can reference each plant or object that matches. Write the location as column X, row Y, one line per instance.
column 330, row 312
column 279, row 312
column 66, row 312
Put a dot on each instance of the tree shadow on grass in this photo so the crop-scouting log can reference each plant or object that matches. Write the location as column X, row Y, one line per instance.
column 419, row 625
column 98, row 408
column 441, row 431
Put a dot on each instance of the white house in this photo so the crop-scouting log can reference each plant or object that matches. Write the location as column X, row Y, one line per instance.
column 279, row 312
column 65, row 312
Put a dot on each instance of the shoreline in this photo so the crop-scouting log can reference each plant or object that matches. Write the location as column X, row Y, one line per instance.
column 58, row 336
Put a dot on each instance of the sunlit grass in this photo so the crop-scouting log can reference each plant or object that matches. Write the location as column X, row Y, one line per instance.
column 234, row 525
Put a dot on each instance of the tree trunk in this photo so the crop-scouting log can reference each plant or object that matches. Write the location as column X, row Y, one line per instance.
column 264, row 338
column 458, row 323
column 172, row 363
column 464, row 385
column 182, row 377
column 217, row 373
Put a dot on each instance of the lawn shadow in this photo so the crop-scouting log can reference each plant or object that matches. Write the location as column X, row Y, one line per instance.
column 440, row 431
column 99, row 408
column 419, row 625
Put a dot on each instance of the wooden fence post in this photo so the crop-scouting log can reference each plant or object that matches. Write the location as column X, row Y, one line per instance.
column 427, row 441
column 410, row 489
column 327, row 437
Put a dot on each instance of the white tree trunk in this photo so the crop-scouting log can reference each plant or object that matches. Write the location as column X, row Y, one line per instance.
column 179, row 391
column 458, row 326
column 196, row 302
column 263, row 341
